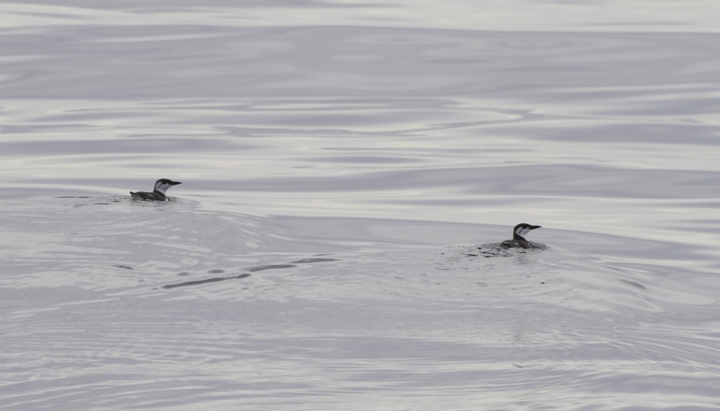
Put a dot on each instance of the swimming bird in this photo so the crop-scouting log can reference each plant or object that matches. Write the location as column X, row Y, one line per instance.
column 158, row 193
column 519, row 240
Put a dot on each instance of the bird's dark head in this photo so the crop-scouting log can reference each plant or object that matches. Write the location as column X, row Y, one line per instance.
column 522, row 229
column 163, row 184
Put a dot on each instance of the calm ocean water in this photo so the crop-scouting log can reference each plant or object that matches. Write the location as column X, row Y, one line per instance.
column 344, row 166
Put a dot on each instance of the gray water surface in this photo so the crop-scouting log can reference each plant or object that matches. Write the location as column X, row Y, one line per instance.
column 347, row 170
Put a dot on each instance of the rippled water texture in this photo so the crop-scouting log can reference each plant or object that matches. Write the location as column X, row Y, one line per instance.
column 348, row 170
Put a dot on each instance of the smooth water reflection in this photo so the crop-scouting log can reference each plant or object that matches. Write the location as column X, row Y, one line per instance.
column 515, row 15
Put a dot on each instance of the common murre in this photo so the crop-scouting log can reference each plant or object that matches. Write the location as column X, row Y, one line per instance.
column 519, row 240
column 158, row 193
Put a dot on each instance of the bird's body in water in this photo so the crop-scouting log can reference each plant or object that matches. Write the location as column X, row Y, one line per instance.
column 518, row 240
column 158, row 193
